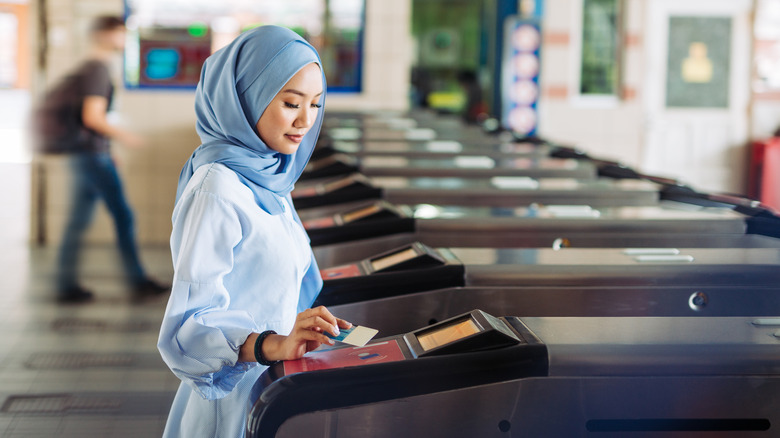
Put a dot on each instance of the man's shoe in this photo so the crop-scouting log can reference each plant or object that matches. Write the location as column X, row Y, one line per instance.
column 74, row 295
column 149, row 287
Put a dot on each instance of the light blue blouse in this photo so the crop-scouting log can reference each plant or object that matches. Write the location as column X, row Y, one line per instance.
column 237, row 270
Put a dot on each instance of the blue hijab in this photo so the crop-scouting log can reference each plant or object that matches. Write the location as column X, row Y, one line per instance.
column 236, row 85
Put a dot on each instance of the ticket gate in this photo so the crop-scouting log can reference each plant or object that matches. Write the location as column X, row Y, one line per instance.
column 403, row 313
column 462, row 166
column 358, row 121
column 411, row 139
column 400, row 133
column 477, row 375
column 418, row 125
column 492, row 192
column 417, row 267
column 345, row 136
column 407, row 129
column 426, row 146
column 433, row 149
column 387, row 226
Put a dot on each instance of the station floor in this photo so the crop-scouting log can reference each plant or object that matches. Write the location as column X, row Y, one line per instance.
column 86, row 370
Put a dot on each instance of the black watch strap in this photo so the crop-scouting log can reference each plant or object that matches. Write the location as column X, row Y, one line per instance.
column 259, row 348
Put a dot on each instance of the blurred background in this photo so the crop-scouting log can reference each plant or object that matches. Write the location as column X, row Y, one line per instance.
column 684, row 89
column 608, row 76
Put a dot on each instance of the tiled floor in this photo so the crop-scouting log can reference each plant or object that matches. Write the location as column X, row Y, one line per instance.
column 89, row 370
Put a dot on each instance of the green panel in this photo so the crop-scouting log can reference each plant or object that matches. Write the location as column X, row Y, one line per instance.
column 460, row 16
column 698, row 64
column 599, row 70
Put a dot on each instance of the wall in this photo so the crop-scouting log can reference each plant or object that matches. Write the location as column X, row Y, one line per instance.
column 167, row 121
column 766, row 116
column 21, row 11
column 611, row 129
column 389, row 53
column 703, row 147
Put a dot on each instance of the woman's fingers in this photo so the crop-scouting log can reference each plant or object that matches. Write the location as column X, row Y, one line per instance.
column 310, row 331
column 317, row 323
column 311, row 335
column 312, row 325
column 325, row 314
column 322, row 312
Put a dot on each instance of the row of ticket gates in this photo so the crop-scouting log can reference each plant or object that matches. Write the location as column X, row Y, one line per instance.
column 526, row 289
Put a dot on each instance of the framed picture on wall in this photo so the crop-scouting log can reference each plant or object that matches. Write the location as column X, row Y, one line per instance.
column 698, row 62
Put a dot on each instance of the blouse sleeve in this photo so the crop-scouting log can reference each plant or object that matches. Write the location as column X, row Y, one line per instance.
column 312, row 281
column 200, row 336
column 310, row 286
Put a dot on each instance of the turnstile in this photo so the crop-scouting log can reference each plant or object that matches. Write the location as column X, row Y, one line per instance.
column 417, row 267
column 434, row 149
column 374, row 226
column 461, row 166
column 493, row 192
column 477, row 375
column 402, row 313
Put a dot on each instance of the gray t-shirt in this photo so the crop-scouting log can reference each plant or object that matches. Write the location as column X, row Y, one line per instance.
column 59, row 124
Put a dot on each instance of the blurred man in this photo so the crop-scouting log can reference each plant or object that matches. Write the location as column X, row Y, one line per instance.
column 73, row 120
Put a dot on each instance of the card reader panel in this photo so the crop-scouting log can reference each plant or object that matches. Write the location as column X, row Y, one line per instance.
column 413, row 267
column 354, row 187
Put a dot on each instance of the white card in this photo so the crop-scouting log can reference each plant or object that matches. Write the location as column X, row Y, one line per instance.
column 356, row 335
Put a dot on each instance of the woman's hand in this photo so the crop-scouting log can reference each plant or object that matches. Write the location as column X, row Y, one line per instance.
column 307, row 334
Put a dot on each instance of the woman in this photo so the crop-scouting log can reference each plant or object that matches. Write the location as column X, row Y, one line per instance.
column 243, row 264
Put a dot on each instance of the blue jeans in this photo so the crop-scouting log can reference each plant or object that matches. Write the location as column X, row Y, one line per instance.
column 95, row 177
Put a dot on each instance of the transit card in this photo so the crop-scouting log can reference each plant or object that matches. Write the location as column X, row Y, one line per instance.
column 356, row 335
